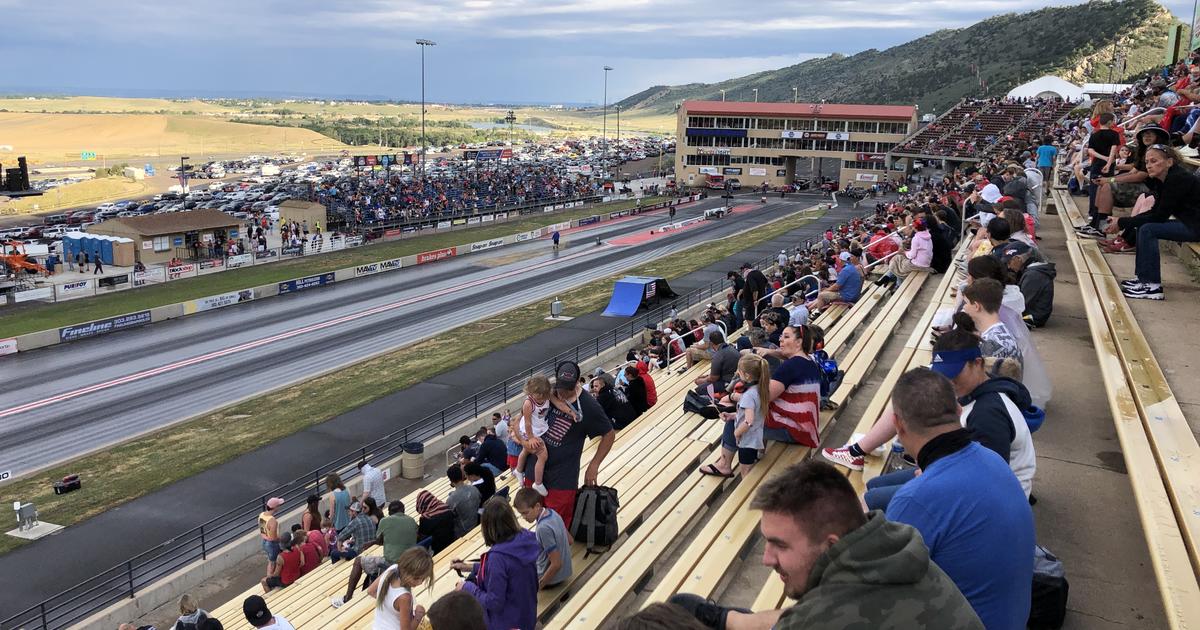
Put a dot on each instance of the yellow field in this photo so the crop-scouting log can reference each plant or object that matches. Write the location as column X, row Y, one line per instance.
column 93, row 191
column 51, row 138
column 104, row 104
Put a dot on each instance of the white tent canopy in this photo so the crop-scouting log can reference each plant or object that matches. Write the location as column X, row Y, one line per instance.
column 1047, row 86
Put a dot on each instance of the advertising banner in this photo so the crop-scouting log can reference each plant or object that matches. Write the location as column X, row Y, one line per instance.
column 595, row 218
column 731, row 171
column 72, row 290
column 392, row 232
column 354, row 241
column 103, row 326
column 8, row 346
column 473, row 221
column 458, row 222
column 409, row 229
column 558, row 226
column 376, row 267
column 112, row 283
column 292, row 250
column 240, row 260
column 443, row 225
column 266, row 253
column 217, row 301
column 45, row 293
column 152, row 274
column 211, row 263
column 758, row 172
column 709, row 170
column 487, row 218
column 292, row 286
column 870, row 157
column 489, row 244
column 866, row 177
column 500, row 216
column 436, row 255
column 180, row 271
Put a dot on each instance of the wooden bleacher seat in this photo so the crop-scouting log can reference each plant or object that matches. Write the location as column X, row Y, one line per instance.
column 714, row 547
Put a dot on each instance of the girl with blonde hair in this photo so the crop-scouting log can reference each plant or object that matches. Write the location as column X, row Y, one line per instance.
column 743, row 434
column 394, row 609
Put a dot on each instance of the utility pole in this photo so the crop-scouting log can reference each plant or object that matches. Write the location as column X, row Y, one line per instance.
column 604, row 126
column 423, row 43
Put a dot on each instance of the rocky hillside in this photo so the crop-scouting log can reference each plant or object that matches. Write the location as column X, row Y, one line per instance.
column 1075, row 42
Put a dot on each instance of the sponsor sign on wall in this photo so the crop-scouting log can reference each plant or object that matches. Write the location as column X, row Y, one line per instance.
column 458, row 222
column 179, row 271
column 113, row 282
column 436, row 255
column 595, row 218
column 473, row 221
column 292, row 250
column 147, row 244
column 501, row 215
column 714, row 151
column 618, row 214
column 866, row 177
column 211, row 263
column 392, row 233
column 731, row 171
column 489, row 244
column 73, row 290
column 487, row 218
column 354, row 241
column 870, row 157
column 8, row 346
column 241, row 260
column 218, row 301
column 559, row 226
column 266, row 253
column 376, row 267
column 758, row 172
column 45, row 293
column 103, row 326
column 443, row 225
column 152, row 274
column 709, row 170
column 292, row 286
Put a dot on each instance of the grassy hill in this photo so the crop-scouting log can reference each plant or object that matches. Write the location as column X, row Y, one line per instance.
column 935, row 71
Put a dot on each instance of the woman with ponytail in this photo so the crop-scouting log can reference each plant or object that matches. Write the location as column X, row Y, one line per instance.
column 392, row 591
column 743, row 434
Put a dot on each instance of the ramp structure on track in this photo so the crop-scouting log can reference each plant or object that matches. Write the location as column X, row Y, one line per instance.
column 633, row 292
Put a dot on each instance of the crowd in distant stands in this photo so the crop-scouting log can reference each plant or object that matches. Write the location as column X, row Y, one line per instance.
column 370, row 198
column 986, row 127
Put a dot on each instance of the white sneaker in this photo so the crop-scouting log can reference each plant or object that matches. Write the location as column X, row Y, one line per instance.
column 541, row 489
column 520, row 479
column 337, row 601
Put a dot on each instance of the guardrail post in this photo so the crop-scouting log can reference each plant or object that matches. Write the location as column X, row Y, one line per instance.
column 203, row 546
column 129, row 573
column 443, row 422
column 42, row 608
column 475, row 403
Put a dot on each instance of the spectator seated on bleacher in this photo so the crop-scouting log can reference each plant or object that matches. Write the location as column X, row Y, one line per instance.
column 702, row 349
column 1128, row 184
column 288, row 568
column 437, row 522
column 554, row 559
column 356, row 536
column 392, row 590
column 464, row 501
column 492, row 453
column 505, row 580
column 794, row 409
column 784, row 316
column 723, row 365
column 258, row 615
column 614, row 401
column 565, row 439
column 798, row 315
column 917, row 258
column 848, row 287
column 743, row 431
column 397, row 533
column 482, row 478
column 308, row 548
column 635, row 389
column 660, row 616
column 845, row 569
column 1176, row 193
column 192, row 617
column 966, row 500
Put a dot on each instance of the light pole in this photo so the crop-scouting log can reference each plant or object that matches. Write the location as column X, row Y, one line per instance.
column 795, row 94
column 618, row 127
column 722, row 96
column 183, row 172
column 510, row 119
column 755, row 95
column 423, row 43
column 604, row 126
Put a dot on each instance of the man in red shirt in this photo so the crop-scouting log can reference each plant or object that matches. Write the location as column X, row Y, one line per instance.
column 288, row 568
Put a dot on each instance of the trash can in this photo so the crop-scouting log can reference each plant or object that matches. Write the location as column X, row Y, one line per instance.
column 412, row 463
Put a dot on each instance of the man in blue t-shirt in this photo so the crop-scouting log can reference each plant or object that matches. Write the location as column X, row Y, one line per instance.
column 967, row 504
column 1046, row 153
column 848, row 286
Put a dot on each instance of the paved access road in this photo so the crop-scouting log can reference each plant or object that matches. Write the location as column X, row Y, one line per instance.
column 78, row 397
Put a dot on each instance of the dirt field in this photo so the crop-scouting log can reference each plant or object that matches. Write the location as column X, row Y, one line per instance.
column 50, row 138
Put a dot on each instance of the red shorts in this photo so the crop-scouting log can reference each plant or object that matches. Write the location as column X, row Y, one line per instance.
column 561, row 501
column 512, row 461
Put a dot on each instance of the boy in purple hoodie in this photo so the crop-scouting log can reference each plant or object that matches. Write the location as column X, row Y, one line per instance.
column 505, row 580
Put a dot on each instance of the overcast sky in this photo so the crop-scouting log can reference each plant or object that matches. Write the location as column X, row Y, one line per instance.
column 488, row 50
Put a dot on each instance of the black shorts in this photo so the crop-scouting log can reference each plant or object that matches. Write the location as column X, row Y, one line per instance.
column 747, row 456
column 274, row 581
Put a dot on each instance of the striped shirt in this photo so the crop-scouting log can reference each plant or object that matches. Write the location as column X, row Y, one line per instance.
column 798, row 409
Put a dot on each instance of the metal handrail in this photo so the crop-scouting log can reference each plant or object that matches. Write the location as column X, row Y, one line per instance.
column 724, row 331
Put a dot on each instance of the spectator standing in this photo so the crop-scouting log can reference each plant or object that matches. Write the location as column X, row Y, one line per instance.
column 268, row 530
column 845, row 569
column 339, row 501
column 1047, row 153
column 397, row 533
column 437, row 521
column 540, row 397
column 966, row 499
column 565, row 439
column 505, row 579
column 394, row 608
column 464, row 501
column 99, row 266
column 372, row 480
column 254, row 608
column 753, row 292
column 311, row 519
column 554, row 559
column 512, row 450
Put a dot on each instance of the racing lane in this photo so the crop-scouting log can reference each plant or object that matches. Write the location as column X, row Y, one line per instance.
column 95, row 392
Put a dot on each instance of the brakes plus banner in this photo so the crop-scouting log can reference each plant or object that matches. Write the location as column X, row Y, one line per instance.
column 436, row 255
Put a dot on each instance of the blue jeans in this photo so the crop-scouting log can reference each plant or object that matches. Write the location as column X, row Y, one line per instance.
column 1146, row 266
column 881, row 489
column 495, row 471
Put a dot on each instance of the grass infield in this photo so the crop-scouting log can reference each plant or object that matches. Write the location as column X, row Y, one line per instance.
column 138, row 467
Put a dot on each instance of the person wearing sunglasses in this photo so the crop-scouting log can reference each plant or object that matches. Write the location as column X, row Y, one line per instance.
column 1174, row 192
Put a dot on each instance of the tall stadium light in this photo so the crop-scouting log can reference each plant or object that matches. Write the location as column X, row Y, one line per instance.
column 604, row 126
column 618, row 127
column 795, row 94
column 722, row 96
column 510, row 118
column 755, row 95
column 183, row 172
column 423, row 43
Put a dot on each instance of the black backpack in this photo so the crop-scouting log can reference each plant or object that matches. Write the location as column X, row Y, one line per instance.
column 1048, row 607
column 700, row 404
column 595, row 521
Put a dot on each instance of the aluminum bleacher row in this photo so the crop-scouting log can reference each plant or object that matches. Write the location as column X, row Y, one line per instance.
column 973, row 129
column 1161, row 453
column 653, row 465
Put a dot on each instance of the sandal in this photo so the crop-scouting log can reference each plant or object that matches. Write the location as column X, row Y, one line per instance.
column 712, row 471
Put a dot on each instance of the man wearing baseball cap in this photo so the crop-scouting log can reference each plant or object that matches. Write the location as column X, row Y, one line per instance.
column 848, row 286
column 259, row 616
column 564, row 442
column 356, row 536
column 268, row 530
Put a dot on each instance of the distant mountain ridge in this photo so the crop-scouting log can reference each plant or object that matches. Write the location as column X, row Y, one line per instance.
column 1074, row 42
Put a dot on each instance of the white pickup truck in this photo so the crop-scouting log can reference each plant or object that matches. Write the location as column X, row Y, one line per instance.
column 714, row 213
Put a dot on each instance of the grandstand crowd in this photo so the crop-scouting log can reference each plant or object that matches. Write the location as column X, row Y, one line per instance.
column 379, row 197
column 909, row 552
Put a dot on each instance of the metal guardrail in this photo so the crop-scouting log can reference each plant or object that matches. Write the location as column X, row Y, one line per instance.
column 125, row 580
